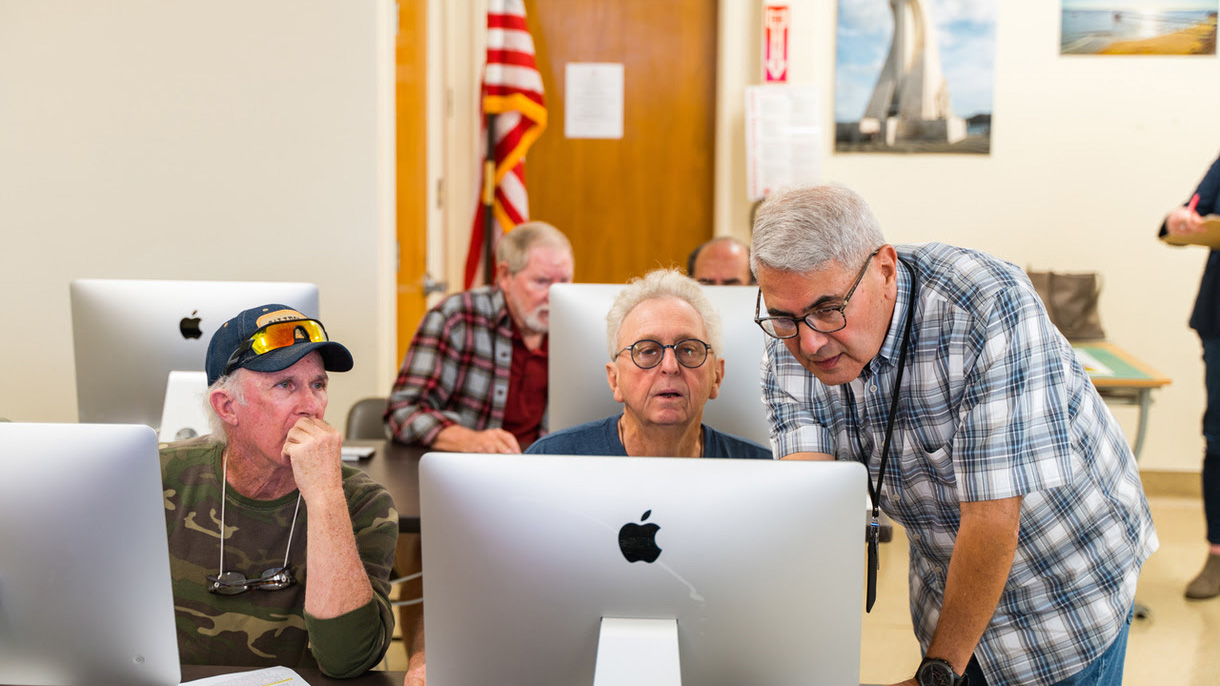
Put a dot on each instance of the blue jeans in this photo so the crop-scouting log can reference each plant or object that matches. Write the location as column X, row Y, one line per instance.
column 1211, row 434
column 1106, row 670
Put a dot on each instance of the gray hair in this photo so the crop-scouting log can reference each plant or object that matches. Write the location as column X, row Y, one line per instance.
column 804, row 229
column 232, row 384
column 514, row 246
column 656, row 285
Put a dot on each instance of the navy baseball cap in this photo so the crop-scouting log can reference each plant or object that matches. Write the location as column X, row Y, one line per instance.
column 237, row 334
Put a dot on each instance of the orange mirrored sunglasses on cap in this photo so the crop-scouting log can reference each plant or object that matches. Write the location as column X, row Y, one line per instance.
column 278, row 335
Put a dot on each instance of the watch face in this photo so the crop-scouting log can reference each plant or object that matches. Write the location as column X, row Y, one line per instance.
column 936, row 674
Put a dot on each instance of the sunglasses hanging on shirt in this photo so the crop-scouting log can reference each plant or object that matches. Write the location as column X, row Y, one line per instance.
column 234, row 583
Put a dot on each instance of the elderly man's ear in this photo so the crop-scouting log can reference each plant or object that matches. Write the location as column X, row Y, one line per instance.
column 612, row 379
column 223, row 405
column 719, row 378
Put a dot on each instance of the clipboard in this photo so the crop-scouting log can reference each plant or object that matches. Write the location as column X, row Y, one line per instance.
column 1209, row 237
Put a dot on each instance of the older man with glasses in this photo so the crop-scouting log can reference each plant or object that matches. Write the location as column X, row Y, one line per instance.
column 280, row 554
column 938, row 368
column 663, row 336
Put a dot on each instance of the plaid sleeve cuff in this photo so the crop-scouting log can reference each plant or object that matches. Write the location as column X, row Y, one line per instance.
column 804, row 439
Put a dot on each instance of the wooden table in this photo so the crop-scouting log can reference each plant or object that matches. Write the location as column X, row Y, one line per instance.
column 1122, row 379
column 395, row 466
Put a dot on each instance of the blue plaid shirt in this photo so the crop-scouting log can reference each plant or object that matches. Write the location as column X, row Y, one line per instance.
column 994, row 404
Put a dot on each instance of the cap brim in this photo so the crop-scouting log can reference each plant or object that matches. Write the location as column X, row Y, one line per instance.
column 335, row 357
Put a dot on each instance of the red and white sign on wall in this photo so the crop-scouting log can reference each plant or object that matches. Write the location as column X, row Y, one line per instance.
column 776, row 20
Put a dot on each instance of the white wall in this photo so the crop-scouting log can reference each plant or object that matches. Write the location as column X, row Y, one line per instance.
column 226, row 140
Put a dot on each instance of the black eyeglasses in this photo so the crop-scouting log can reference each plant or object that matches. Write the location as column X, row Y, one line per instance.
column 233, row 583
column 823, row 320
column 689, row 353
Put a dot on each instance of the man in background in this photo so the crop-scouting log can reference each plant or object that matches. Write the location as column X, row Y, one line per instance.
column 665, row 344
column 723, row 261
column 475, row 376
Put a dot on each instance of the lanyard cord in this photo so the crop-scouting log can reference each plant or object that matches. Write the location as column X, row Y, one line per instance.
column 224, row 483
column 875, row 493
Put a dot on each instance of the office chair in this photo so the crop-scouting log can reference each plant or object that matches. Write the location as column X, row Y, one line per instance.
column 364, row 420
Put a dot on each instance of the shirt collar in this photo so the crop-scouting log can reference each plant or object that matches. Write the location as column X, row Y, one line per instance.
column 499, row 300
column 891, row 347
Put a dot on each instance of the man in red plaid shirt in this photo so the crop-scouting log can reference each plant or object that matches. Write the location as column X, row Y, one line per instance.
column 475, row 376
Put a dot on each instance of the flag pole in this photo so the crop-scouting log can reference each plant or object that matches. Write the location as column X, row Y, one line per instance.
column 489, row 199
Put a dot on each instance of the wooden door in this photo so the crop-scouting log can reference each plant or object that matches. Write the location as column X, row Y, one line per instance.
column 411, row 95
column 644, row 201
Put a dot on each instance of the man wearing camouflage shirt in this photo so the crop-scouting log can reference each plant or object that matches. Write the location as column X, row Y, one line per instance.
column 280, row 555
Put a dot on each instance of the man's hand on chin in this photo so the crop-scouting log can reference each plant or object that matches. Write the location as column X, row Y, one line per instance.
column 314, row 449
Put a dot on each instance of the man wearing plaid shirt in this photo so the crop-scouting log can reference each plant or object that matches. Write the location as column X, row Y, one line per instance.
column 475, row 376
column 1024, row 510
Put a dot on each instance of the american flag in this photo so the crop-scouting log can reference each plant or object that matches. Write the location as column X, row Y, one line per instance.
column 512, row 90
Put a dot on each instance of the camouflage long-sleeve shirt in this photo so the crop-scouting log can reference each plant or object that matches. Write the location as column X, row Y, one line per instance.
column 262, row 628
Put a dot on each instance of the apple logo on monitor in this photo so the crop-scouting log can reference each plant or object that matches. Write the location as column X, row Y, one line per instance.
column 189, row 326
column 639, row 541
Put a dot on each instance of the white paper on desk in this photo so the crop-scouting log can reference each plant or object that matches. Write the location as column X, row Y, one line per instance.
column 271, row 676
column 1091, row 364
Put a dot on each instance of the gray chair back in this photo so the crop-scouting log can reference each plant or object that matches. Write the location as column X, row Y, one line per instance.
column 364, row 420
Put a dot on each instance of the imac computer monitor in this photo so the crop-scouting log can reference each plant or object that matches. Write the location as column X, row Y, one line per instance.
column 577, row 391
column 85, row 595
column 757, row 564
column 128, row 335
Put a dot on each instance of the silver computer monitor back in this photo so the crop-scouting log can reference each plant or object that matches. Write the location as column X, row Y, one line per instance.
column 85, row 594
column 129, row 334
column 576, row 388
column 761, row 564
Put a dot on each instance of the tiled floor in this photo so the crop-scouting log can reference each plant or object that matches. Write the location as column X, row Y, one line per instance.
column 1178, row 644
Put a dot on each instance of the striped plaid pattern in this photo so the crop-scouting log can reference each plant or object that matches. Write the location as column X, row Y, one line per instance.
column 994, row 404
column 456, row 370
column 512, row 90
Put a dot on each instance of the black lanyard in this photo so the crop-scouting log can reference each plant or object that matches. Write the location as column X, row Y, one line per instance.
column 872, row 533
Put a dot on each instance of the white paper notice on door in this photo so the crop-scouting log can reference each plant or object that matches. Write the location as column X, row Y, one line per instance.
column 593, row 100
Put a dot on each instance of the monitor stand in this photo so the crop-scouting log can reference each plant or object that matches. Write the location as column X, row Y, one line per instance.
column 639, row 652
column 183, row 415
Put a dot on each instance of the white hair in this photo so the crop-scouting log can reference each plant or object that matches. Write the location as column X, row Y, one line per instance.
column 514, row 247
column 230, row 383
column 656, row 285
column 802, row 230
